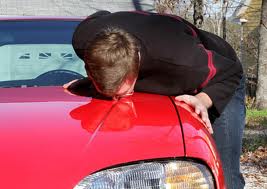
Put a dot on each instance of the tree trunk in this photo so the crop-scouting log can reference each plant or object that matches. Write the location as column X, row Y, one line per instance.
column 261, row 95
column 165, row 6
column 198, row 13
column 224, row 11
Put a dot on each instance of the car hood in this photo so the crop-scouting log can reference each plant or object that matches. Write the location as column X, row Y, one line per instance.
column 51, row 139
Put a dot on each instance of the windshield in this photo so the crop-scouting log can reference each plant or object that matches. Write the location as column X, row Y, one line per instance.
column 38, row 53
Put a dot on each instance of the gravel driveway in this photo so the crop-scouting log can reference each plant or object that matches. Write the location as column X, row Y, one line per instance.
column 254, row 176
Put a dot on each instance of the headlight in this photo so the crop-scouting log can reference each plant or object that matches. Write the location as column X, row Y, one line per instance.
column 154, row 175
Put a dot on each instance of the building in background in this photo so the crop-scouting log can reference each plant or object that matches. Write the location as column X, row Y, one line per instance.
column 248, row 14
column 70, row 7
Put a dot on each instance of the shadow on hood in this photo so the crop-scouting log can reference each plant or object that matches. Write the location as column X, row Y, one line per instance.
column 104, row 115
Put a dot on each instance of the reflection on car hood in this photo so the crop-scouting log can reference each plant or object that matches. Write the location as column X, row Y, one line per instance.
column 50, row 139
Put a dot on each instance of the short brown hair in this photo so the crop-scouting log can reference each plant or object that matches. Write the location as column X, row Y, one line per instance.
column 111, row 56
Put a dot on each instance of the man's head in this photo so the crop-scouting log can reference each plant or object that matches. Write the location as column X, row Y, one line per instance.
column 112, row 61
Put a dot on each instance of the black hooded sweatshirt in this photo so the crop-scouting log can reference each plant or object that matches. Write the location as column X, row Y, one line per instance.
column 176, row 57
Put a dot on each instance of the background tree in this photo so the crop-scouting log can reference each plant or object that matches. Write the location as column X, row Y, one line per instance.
column 261, row 95
column 198, row 13
column 223, row 17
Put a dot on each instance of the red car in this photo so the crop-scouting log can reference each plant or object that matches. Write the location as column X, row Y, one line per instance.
column 50, row 139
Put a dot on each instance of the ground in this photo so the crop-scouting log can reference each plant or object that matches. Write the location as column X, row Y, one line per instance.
column 254, row 157
column 254, row 168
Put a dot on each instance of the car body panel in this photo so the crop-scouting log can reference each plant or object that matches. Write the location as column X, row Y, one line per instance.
column 199, row 144
column 50, row 139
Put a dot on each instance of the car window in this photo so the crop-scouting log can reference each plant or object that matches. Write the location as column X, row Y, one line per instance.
column 38, row 53
column 29, row 61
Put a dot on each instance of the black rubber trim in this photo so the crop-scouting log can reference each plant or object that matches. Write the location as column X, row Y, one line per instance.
column 181, row 125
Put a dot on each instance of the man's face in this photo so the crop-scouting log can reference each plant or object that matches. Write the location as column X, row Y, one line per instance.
column 126, row 88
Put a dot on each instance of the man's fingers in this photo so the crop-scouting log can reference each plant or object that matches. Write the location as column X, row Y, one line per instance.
column 205, row 118
column 204, row 115
column 192, row 101
column 180, row 98
column 68, row 92
column 65, row 86
column 186, row 99
column 209, row 127
column 200, row 109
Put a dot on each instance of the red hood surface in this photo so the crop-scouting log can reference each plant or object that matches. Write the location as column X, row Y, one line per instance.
column 50, row 139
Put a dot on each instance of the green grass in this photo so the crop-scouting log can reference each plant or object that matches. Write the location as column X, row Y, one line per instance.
column 256, row 118
column 253, row 113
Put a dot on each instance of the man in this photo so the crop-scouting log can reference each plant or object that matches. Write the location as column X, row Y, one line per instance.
column 163, row 54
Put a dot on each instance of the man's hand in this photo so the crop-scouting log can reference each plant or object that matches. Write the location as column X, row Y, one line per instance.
column 201, row 102
column 66, row 85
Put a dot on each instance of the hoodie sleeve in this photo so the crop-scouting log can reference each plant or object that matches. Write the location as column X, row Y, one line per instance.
column 227, row 70
column 215, row 68
column 224, row 83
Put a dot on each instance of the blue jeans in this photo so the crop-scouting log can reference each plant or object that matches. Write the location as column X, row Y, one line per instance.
column 228, row 132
